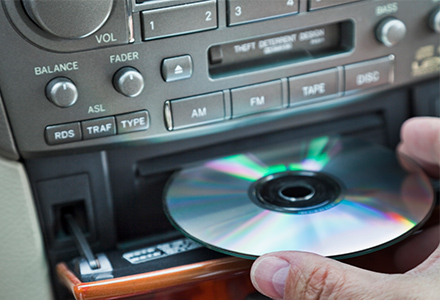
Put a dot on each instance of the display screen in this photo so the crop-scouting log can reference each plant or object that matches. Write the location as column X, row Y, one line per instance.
column 279, row 49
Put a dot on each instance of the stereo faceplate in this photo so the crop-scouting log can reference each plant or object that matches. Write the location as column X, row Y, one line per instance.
column 199, row 67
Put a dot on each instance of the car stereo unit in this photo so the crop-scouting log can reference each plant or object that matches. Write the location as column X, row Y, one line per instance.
column 108, row 103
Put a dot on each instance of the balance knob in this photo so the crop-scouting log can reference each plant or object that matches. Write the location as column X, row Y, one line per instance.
column 69, row 19
column 390, row 31
column 128, row 81
column 434, row 20
column 62, row 92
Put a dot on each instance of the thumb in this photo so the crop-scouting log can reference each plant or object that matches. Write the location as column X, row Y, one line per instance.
column 300, row 275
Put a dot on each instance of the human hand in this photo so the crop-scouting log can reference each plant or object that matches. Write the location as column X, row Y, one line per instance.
column 293, row 275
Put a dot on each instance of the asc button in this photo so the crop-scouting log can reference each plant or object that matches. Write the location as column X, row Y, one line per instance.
column 136, row 121
column 98, row 128
column 64, row 133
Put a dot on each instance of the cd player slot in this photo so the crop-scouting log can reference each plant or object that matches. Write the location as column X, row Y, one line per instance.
column 280, row 49
column 365, row 125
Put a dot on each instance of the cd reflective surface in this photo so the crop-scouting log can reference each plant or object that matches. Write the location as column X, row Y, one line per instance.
column 333, row 196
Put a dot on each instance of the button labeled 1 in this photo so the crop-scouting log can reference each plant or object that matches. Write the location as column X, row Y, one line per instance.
column 179, row 19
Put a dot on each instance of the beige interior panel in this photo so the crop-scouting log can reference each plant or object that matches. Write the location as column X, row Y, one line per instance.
column 23, row 269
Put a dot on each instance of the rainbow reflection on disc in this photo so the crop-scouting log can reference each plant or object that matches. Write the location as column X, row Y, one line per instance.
column 337, row 197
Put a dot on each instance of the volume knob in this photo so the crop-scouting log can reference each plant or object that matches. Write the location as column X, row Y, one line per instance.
column 69, row 19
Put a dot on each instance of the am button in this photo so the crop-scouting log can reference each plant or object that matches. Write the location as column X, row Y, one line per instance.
column 194, row 111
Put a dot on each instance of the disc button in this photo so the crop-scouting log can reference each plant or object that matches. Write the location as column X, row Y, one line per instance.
column 369, row 74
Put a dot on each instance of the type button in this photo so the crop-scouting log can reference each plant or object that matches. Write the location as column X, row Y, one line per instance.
column 136, row 121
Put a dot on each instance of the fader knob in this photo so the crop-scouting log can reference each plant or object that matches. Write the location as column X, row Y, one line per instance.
column 128, row 81
column 390, row 31
column 69, row 19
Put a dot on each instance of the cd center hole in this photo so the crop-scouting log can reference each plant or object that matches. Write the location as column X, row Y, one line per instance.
column 297, row 193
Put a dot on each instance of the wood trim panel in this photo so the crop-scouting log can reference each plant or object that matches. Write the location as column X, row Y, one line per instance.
column 160, row 281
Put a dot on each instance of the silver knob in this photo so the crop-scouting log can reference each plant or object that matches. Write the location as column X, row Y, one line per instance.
column 128, row 81
column 390, row 31
column 62, row 92
column 434, row 20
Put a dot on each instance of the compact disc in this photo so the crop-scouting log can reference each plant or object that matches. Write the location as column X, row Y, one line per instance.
column 338, row 197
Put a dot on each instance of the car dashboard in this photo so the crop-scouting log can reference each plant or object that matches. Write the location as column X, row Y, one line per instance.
column 101, row 102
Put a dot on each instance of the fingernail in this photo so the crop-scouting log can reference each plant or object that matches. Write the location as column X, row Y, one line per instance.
column 269, row 276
